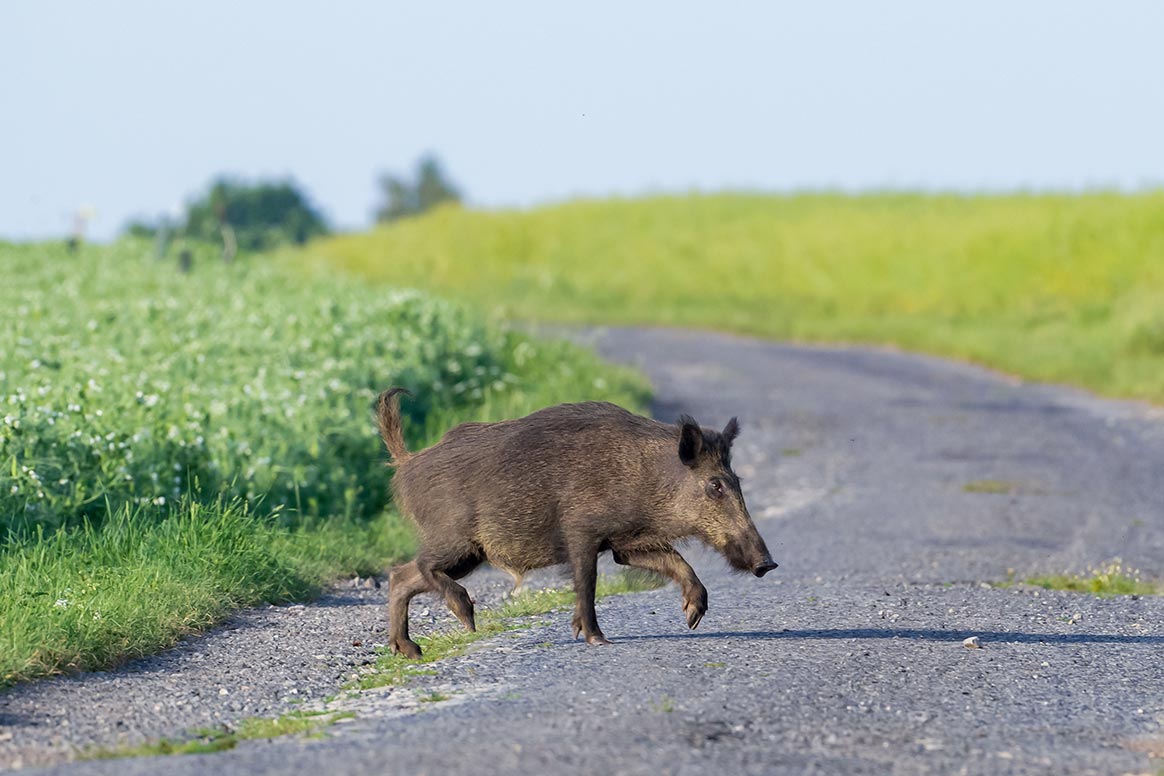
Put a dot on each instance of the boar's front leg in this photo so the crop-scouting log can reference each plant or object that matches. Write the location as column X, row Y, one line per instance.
column 584, row 561
column 671, row 564
column 441, row 568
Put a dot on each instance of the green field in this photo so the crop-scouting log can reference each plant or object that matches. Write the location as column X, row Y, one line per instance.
column 1055, row 288
column 175, row 446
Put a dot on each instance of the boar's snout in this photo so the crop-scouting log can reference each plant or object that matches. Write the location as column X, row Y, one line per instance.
column 749, row 555
column 764, row 567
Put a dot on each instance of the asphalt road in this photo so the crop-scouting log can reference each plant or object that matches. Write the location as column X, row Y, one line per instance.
column 848, row 659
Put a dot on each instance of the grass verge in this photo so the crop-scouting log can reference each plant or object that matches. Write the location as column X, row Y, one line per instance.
column 1057, row 288
column 94, row 596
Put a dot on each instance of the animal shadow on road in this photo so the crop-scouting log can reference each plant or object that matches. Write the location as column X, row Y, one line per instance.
column 917, row 634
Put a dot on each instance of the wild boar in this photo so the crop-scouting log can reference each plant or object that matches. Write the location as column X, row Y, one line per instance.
column 563, row 485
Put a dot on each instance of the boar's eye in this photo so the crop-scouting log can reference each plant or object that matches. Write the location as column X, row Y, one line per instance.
column 715, row 488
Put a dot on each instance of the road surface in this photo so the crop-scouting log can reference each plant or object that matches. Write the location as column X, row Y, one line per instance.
column 896, row 491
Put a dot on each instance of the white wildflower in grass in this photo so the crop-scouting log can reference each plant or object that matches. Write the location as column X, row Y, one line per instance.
column 231, row 382
column 62, row 603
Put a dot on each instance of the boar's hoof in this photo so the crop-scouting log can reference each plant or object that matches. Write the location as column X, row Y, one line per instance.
column 694, row 614
column 695, row 605
column 407, row 647
column 595, row 638
column 462, row 607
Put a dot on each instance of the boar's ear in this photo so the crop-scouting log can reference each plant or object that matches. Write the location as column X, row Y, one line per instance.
column 731, row 431
column 690, row 440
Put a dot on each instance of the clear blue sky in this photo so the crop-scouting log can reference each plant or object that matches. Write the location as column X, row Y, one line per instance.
column 134, row 106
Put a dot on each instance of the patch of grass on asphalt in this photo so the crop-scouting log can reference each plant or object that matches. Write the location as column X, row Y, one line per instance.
column 999, row 487
column 1053, row 287
column 395, row 669
column 629, row 581
column 665, row 705
column 433, row 697
column 1113, row 578
column 305, row 723
column 205, row 742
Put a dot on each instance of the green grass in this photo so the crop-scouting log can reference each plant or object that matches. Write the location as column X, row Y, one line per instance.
column 395, row 669
column 665, row 705
column 1113, row 578
column 304, row 723
column 998, row 487
column 95, row 596
column 124, row 382
column 1052, row 287
column 433, row 697
column 173, row 447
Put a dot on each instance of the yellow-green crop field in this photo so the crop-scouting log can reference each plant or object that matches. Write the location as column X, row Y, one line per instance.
column 1050, row 287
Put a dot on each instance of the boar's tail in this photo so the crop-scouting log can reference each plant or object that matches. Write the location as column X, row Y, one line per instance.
column 388, row 418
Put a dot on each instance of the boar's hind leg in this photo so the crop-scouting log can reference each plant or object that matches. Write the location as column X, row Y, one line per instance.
column 518, row 579
column 585, row 566
column 441, row 571
column 404, row 582
column 671, row 564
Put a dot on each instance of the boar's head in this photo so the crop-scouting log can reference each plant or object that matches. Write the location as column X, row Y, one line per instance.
column 712, row 499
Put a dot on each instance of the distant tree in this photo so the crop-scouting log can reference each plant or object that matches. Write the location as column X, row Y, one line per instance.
column 399, row 199
column 141, row 228
column 237, row 215
column 404, row 197
column 253, row 217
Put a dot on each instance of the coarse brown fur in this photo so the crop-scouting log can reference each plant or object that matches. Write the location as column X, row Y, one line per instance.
column 562, row 485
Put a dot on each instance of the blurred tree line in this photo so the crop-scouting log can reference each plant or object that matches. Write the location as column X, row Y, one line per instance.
column 241, row 216
column 404, row 197
column 259, row 216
